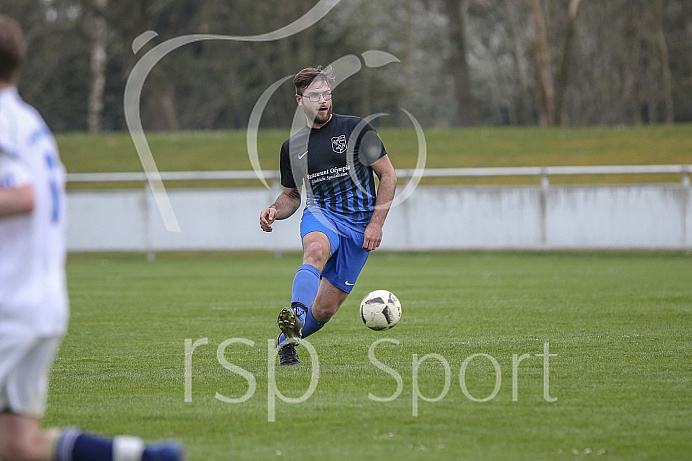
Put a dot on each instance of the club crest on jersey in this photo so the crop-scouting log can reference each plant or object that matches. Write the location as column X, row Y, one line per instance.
column 339, row 144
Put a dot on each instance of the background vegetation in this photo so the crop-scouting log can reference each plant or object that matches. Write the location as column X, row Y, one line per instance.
column 462, row 62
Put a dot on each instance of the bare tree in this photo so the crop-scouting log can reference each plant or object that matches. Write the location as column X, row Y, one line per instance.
column 458, row 65
column 657, row 9
column 567, row 56
column 461, row 61
column 99, row 58
column 540, row 55
column 128, row 19
column 520, row 111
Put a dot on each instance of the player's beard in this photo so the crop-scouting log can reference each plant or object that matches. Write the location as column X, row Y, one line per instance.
column 319, row 117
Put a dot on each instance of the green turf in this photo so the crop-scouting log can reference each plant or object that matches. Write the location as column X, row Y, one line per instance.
column 619, row 323
column 446, row 148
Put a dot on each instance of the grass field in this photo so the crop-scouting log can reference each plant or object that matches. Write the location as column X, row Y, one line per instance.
column 446, row 148
column 619, row 326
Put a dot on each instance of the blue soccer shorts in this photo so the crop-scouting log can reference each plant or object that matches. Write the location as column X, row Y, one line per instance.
column 347, row 254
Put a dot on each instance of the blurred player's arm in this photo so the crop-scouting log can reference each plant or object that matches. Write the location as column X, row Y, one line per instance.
column 16, row 200
column 285, row 205
column 16, row 193
column 385, row 195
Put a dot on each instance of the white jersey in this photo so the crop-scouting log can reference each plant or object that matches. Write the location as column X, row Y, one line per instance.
column 33, row 289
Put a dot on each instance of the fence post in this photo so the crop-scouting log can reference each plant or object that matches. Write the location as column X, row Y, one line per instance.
column 545, row 185
column 148, row 233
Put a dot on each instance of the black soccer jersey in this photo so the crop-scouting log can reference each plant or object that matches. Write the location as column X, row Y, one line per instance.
column 334, row 163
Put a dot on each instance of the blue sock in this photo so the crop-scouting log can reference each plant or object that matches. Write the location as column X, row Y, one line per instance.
column 310, row 325
column 305, row 285
column 73, row 445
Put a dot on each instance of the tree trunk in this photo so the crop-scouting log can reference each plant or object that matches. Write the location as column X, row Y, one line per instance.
column 665, row 63
column 540, row 55
column 563, row 73
column 158, row 103
column 99, row 58
column 458, row 65
column 129, row 19
column 522, row 113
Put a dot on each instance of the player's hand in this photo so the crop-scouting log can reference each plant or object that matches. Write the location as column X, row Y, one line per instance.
column 372, row 237
column 267, row 217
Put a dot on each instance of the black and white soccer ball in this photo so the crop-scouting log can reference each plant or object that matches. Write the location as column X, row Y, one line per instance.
column 380, row 310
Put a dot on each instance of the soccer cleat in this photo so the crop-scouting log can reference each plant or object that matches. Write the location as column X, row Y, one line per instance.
column 288, row 355
column 291, row 326
column 165, row 451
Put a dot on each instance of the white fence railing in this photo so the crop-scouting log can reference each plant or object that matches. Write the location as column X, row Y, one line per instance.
column 273, row 175
column 545, row 216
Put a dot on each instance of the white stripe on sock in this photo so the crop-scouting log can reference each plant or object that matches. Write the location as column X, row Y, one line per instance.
column 65, row 443
column 127, row 448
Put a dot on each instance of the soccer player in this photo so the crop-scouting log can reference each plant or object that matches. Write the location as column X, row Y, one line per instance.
column 33, row 294
column 333, row 157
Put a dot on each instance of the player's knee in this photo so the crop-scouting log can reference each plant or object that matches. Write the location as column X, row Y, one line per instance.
column 316, row 252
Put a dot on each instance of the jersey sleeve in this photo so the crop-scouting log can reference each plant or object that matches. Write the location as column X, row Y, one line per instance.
column 369, row 145
column 287, row 179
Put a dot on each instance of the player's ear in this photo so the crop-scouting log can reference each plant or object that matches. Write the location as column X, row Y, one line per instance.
column 299, row 99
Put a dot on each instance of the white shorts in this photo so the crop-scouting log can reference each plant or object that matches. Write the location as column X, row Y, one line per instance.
column 24, row 367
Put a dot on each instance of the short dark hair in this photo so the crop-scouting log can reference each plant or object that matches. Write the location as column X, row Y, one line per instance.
column 305, row 77
column 12, row 48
